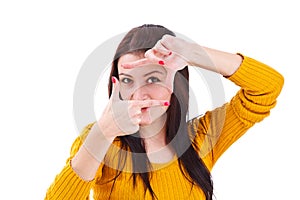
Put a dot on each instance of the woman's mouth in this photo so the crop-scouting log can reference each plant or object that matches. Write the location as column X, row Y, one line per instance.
column 145, row 109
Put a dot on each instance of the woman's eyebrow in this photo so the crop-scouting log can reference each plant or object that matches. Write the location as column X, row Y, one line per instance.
column 125, row 74
column 153, row 73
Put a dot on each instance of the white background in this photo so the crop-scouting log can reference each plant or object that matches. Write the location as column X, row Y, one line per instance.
column 43, row 45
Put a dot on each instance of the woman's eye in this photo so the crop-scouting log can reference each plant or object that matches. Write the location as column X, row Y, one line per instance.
column 153, row 80
column 126, row 80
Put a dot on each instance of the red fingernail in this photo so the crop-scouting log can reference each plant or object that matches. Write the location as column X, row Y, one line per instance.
column 161, row 62
column 170, row 53
column 113, row 79
column 166, row 103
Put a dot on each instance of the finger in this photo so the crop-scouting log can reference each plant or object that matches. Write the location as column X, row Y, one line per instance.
column 153, row 59
column 116, row 89
column 134, row 112
column 136, row 63
column 168, row 40
column 160, row 48
column 151, row 103
column 150, row 59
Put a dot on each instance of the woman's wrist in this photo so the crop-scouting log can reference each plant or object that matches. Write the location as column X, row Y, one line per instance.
column 102, row 132
column 198, row 56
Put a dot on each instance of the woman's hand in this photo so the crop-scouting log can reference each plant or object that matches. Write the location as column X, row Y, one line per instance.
column 167, row 52
column 122, row 117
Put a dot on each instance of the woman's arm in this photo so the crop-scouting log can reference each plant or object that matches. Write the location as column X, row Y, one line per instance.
column 260, row 86
column 89, row 156
column 69, row 184
column 218, row 61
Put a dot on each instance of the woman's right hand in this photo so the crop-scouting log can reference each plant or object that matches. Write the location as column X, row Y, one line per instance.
column 122, row 117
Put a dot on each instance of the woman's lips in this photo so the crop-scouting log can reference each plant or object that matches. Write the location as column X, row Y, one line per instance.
column 145, row 109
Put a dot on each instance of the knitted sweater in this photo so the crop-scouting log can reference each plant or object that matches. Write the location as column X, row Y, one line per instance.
column 215, row 132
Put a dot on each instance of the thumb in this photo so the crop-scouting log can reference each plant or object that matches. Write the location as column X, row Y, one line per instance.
column 116, row 89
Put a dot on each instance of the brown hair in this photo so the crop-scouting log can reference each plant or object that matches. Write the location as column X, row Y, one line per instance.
column 139, row 40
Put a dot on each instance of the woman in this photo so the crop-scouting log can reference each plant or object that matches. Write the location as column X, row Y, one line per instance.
column 142, row 147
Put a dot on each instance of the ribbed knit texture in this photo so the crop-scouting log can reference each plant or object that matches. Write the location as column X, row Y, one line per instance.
column 216, row 131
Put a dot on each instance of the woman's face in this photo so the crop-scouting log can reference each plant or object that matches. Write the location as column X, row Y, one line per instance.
column 148, row 82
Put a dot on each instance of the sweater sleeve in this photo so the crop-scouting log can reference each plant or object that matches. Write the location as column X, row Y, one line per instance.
column 67, row 184
column 217, row 130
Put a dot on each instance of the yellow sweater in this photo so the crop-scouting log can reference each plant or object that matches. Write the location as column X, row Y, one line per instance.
column 260, row 86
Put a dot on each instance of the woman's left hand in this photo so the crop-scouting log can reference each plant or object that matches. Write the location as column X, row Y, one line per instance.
column 167, row 52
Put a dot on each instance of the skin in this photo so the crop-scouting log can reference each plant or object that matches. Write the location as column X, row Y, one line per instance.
column 123, row 117
column 148, row 82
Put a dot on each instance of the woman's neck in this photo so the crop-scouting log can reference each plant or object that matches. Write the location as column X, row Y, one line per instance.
column 154, row 137
column 155, row 133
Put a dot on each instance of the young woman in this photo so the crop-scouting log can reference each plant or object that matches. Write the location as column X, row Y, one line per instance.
column 142, row 147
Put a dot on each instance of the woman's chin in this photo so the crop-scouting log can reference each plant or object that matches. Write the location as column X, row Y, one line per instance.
column 145, row 122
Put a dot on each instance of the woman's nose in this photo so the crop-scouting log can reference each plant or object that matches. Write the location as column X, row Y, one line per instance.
column 140, row 94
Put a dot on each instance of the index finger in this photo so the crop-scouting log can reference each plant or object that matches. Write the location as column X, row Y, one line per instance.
column 136, row 63
column 151, row 103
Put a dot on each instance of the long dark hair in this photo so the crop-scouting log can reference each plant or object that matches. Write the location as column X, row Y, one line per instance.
column 139, row 40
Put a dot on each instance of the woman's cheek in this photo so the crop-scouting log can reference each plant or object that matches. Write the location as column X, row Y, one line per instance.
column 160, row 92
